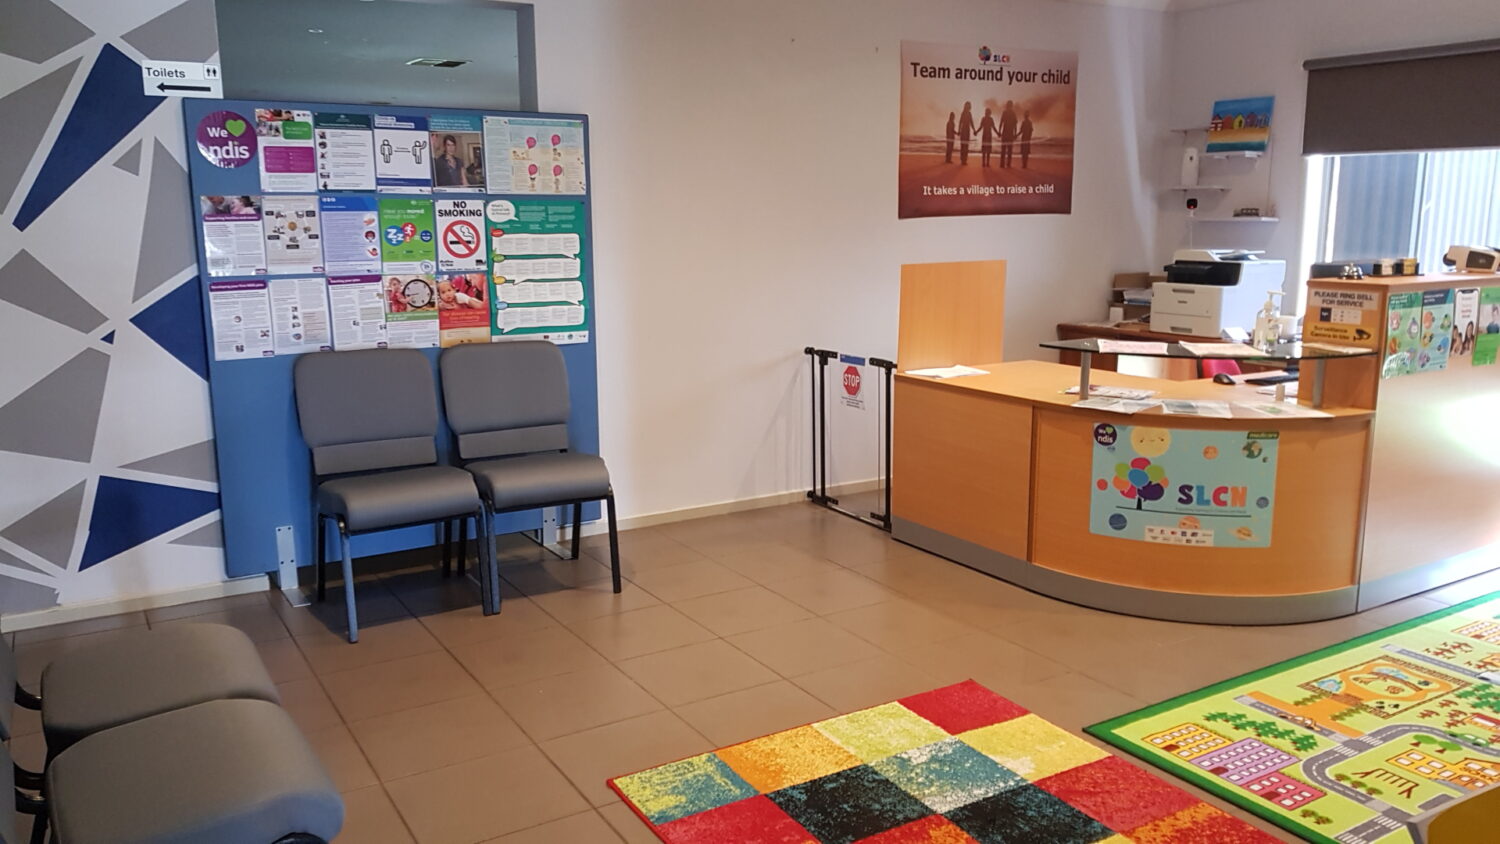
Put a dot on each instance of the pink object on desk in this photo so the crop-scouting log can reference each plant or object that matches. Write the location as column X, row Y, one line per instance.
column 1209, row 367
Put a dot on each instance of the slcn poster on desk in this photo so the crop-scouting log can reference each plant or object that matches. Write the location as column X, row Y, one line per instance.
column 986, row 130
column 1212, row 489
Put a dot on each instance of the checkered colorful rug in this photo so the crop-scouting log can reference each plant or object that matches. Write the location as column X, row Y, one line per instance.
column 957, row 764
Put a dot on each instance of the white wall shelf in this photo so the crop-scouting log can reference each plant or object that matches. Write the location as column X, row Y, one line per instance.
column 1191, row 188
column 1236, row 219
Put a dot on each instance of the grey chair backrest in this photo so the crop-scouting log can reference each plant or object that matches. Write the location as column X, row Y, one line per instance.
column 8, row 825
column 504, row 399
column 365, row 410
column 8, row 678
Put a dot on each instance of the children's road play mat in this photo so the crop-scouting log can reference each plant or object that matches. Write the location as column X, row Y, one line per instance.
column 1349, row 742
column 957, row 765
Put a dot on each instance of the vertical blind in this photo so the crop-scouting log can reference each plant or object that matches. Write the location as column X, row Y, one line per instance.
column 1426, row 99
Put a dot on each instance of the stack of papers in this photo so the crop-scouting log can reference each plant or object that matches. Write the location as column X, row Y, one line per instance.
column 1291, row 389
column 947, row 371
column 1282, row 409
column 1222, row 350
column 1130, row 347
column 1116, row 405
column 1113, row 392
column 1335, row 347
column 1184, row 407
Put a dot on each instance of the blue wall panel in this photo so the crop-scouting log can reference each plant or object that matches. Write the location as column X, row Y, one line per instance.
column 264, row 467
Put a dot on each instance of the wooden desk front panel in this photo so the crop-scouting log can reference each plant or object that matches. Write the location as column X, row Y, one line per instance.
column 1314, row 538
column 962, row 464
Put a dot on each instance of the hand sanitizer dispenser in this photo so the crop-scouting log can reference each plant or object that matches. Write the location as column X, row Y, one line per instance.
column 1268, row 323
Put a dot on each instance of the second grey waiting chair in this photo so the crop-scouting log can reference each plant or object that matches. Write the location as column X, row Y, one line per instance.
column 507, row 404
column 370, row 419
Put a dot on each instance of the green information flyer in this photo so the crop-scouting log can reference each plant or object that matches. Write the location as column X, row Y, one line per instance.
column 1487, row 343
column 1403, row 334
column 536, row 251
column 1437, row 330
column 407, row 242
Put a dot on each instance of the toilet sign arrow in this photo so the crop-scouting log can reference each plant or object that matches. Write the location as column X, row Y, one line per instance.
column 181, row 79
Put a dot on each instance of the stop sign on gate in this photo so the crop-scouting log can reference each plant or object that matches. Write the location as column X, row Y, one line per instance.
column 851, row 380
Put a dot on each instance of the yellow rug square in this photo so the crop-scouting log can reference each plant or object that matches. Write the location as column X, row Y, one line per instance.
column 787, row 758
column 881, row 731
column 1032, row 747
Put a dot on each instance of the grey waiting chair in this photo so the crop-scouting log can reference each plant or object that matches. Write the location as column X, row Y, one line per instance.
column 370, row 419
column 507, row 404
column 135, row 676
column 227, row 772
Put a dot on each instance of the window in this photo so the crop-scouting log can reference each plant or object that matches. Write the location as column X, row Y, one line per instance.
column 1404, row 204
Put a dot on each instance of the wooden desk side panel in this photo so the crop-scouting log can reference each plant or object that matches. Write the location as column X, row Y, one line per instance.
column 951, row 313
column 1320, row 475
column 1434, row 468
column 962, row 465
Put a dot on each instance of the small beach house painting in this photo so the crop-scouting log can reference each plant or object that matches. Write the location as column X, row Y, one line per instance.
column 1241, row 125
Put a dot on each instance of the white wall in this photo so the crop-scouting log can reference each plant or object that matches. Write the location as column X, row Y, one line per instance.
column 744, row 195
column 1257, row 47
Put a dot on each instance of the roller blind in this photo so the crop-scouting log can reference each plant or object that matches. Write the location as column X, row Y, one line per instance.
column 1426, row 99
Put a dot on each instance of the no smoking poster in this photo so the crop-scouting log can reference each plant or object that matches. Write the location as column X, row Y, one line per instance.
column 460, row 227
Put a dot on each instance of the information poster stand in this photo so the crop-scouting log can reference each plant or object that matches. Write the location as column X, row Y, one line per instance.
column 326, row 227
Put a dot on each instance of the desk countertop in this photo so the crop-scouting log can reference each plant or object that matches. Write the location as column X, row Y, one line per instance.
column 1041, row 382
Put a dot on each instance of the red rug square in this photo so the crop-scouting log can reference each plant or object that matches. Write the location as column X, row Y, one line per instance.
column 934, row 829
column 962, row 707
column 753, row 821
column 1117, row 793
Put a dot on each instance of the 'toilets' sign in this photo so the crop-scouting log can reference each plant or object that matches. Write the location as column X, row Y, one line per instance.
column 182, row 79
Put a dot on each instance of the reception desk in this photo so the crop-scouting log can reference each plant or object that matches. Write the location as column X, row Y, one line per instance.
column 1396, row 491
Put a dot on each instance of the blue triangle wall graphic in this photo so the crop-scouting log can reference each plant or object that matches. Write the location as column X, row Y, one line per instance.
column 109, row 338
column 109, row 105
column 127, row 513
column 175, row 322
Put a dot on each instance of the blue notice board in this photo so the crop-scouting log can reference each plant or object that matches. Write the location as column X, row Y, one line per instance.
column 399, row 216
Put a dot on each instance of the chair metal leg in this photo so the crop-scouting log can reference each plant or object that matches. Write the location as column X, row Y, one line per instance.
column 614, row 541
column 27, row 700
column 445, row 535
column 27, row 779
column 486, row 564
column 322, row 557
column 349, row 583
column 463, row 545
column 577, row 527
column 494, row 572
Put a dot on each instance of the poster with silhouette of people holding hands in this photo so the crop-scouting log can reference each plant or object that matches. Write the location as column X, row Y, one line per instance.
column 986, row 130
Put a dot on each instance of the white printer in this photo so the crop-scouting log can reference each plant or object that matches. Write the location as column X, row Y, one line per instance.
column 1209, row 290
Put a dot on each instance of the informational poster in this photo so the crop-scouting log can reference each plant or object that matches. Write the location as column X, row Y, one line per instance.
column 1242, row 125
column 232, row 236
column 241, row 316
column 351, row 234
column 287, row 160
column 406, row 236
column 457, row 152
column 851, row 385
column 539, row 290
column 357, row 310
column 1487, row 341
column 535, row 155
column 346, row 151
column 293, row 243
column 1465, row 322
column 986, row 130
column 460, row 235
column 1437, row 330
column 1206, row 488
column 299, row 316
column 411, row 313
column 1403, row 333
column 463, row 305
column 1347, row 317
column 403, row 154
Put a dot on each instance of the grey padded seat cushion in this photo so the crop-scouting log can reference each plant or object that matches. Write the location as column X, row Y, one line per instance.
column 132, row 677
column 405, row 496
column 545, row 478
column 227, row 772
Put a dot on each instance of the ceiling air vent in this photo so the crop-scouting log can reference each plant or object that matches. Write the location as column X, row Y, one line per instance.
column 438, row 62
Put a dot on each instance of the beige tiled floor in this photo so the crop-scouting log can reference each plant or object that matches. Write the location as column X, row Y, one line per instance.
column 442, row 725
